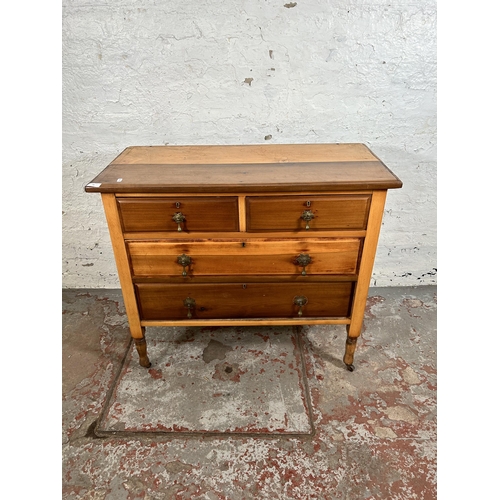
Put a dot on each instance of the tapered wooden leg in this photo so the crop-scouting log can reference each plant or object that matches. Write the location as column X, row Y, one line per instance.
column 364, row 275
column 121, row 256
column 350, row 347
column 140, row 345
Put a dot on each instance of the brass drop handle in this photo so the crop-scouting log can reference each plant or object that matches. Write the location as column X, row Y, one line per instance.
column 307, row 216
column 190, row 304
column 303, row 259
column 184, row 260
column 179, row 218
column 301, row 301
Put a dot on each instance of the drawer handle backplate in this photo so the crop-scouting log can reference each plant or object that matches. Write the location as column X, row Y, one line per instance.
column 303, row 260
column 301, row 301
column 184, row 260
column 307, row 216
column 190, row 304
column 179, row 218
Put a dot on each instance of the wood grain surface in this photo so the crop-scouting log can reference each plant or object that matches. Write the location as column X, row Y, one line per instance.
column 222, row 169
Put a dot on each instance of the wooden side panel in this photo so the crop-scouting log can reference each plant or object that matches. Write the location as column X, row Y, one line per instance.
column 122, row 264
column 245, row 257
column 366, row 264
column 252, row 300
column 217, row 213
column 284, row 213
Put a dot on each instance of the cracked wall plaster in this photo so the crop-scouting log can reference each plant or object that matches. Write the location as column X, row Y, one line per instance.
column 138, row 72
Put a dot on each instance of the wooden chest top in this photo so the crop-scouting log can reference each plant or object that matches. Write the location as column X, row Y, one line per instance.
column 244, row 168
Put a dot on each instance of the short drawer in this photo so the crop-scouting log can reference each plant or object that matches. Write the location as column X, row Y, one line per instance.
column 238, row 300
column 252, row 257
column 184, row 213
column 301, row 213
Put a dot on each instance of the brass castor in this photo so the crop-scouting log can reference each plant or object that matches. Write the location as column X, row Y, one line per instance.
column 140, row 345
column 350, row 347
column 145, row 364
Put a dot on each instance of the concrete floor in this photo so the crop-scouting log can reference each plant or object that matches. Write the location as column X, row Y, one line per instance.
column 226, row 413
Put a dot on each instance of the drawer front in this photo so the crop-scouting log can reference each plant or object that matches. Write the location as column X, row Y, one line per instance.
column 197, row 214
column 238, row 300
column 320, row 256
column 298, row 213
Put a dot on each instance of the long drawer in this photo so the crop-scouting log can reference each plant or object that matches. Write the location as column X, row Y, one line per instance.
column 270, row 257
column 214, row 213
column 243, row 300
column 307, row 213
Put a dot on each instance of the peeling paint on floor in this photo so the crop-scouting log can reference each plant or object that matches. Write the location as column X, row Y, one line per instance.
column 374, row 429
column 218, row 380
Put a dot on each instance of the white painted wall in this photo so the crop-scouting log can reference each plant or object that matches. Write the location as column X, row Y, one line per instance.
column 139, row 72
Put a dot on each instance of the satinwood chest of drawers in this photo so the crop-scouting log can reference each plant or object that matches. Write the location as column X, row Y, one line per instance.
column 245, row 235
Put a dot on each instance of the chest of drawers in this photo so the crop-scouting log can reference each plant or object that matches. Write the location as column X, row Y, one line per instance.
column 244, row 235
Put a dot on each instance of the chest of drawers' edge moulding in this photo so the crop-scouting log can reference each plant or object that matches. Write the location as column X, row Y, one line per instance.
column 275, row 234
